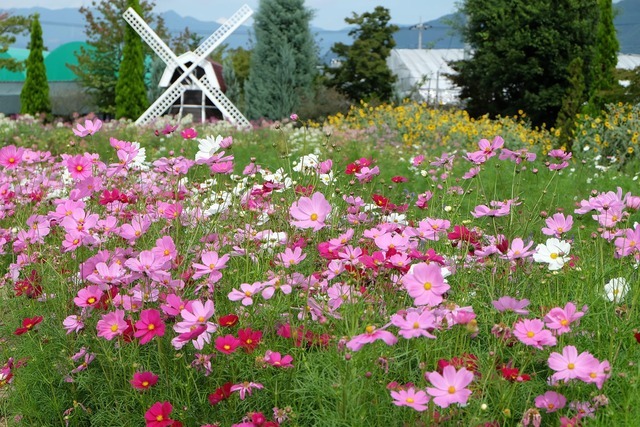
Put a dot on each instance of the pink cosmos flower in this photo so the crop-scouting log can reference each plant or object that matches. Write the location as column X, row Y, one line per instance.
column 89, row 128
column 366, row 174
column 560, row 319
column 518, row 250
column 211, row 264
column 189, row 133
column 274, row 358
column 143, row 380
column 600, row 374
column 245, row 293
column 291, row 257
column 89, row 296
column 79, row 166
column 227, row 344
column 557, row 225
column 149, row 326
column 410, row 397
column 570, row 365
column 507, row 303
column 245, row 387
column 158, row 415
column 550, row 401
column 310, row 212
column 111, row 325
column 10, row 156
column 425, row 284
column 450, row 387
column 415, row 324
column 73, row 323
column 531, row 332
column 372, row 334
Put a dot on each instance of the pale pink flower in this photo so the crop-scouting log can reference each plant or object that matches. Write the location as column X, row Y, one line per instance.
column 89, row 128
column 550, row 401
column 245, row 293
column 111, row 325
column 425, row 284
column 600, row 374
column 291, row 257
column 310, row 212
column 415, row 324
column 450, row 387
column 571, row 365
column 372, row 334
column 10, row 156
column 410, row 397
column 531, row 332
column 560, row 319
column 518, row 250
column 507, row 303
column 79, row 166
column 211, row 264
column 245, row 388
column 557, row 225
column 73, row 323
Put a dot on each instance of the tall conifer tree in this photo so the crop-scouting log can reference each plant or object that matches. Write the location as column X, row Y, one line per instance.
column 284, row 44
column 34, row 97
column 131, row 93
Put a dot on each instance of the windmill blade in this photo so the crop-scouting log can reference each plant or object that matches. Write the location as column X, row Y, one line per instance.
column 162, row 104
column 226, row 107
column 223, row 31
column 150, row 37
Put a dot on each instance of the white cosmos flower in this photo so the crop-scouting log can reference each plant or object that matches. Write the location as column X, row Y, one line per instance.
column 555, row 253
column 208, row 147
column 616, row 289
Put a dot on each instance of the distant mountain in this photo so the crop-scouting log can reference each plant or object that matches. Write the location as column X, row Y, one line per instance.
column 66, row 25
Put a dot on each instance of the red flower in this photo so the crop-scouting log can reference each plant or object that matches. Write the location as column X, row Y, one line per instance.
column 221, row 393
column 28, row 324
column 398, row 179
column 636, row 335
column 513, row 374
column 380, row 200
column 228, row 320
column 158, row 415
column 352, row 168
column 250, row 339
column 29, row 286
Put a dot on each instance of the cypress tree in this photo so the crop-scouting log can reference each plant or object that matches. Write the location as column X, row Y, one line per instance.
column 605, row 58
column 34, row 97
column 284, row 44
column 131, row 93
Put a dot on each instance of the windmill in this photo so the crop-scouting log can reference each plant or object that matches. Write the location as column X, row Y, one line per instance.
column 187, row 64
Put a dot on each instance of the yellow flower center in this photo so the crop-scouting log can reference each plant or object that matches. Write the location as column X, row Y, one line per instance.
column 159, row 418
column 564, row 322
column 114, row 327
column 416, row 325
column 410, row 400
column 91, row 300
column 571, row 366
column 151, row 327
column 451, row 389
column 530, row 334
column 313, row 217
column 145, row 383
column 79, row 168
column 427, row 286
column 554, row 255
column 201, row 319
column 370, row 329
column 227, row 347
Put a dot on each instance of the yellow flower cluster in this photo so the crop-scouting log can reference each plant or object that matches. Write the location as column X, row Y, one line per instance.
column 418, row 125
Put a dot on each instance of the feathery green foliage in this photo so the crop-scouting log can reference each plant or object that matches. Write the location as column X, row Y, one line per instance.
column 283, row 44
column 521, row 54
column 9, row 27
column 34, row 97
column 131, row 94
column 364, row 74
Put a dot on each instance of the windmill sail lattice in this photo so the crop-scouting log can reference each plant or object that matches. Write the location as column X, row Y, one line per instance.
column 173, row 92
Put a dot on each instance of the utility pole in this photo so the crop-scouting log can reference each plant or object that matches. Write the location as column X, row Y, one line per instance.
column 420, row 27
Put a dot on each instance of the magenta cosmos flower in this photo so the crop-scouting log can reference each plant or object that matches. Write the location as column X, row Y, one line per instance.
column 274, row 358
column 143, row 380
column 310, row 212
column 111, row 325
column 550, row 401
column 425, row 284
column 410, row 397
column 158, row 415
column 560, row 319
column 10, row 156
column 450, row 387
column 149, row 326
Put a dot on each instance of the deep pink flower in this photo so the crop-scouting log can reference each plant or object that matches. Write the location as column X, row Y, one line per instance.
column 189, row 133
column 88, row 297
column 410, row 397
column 531, row 332
column 158, row 415
column 143, row 380
column 249, row 339
column 227, row 344
column 149, row 326
column 28, row 324
column 10, row 156
column 450, row 387
column 550, row 401
column 310, row 212
column 245, row 387
column 570, row 365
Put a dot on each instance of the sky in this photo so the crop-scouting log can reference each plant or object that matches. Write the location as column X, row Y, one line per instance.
column 329, row 14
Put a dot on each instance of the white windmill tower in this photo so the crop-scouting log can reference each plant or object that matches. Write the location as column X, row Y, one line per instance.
column 187, row 64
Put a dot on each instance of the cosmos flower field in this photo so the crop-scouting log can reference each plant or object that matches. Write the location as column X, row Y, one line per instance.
column 207, row 277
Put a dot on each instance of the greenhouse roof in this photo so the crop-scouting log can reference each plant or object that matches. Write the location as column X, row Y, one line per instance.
column 55, row 62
